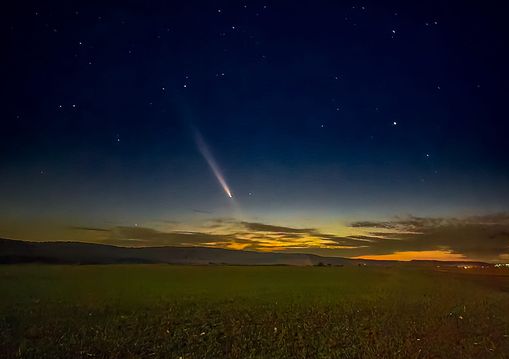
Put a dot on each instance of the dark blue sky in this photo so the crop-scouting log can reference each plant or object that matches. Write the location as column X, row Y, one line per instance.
column 316, row 112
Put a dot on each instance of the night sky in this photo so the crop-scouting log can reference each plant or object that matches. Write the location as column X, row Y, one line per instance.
column 375, row 129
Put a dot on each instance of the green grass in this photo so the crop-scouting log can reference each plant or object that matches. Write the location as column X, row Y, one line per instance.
column 163, row 311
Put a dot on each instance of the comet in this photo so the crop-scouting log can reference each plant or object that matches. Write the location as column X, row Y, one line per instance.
column 207, row 155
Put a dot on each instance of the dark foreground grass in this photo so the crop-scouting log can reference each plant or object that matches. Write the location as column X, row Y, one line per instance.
column 162, row 311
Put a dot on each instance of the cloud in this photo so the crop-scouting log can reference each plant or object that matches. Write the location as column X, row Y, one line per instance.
column 153, row 237
column 201, row 211
column 90, row 229
column 371, row 224
column 227, row 233
column 421, row 223
column 474, row 237
column 262, row 227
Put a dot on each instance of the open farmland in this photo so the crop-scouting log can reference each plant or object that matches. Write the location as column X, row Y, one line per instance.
column 165, row 311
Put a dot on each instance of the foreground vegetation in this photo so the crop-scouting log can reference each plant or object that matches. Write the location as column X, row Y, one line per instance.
column 163, row 311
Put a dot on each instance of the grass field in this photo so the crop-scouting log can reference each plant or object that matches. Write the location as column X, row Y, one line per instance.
column 163, row 311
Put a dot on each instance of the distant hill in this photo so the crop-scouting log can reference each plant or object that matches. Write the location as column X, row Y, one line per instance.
column 15, row 251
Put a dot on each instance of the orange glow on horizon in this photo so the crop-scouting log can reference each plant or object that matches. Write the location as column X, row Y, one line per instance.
column 441, row 255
